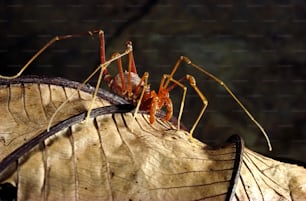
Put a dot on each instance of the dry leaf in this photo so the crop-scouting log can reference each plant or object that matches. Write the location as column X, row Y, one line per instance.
column 117, row 157
column 27, row 104
column 262, row 178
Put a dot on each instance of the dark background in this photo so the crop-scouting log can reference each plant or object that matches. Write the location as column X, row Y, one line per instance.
column 256, row 47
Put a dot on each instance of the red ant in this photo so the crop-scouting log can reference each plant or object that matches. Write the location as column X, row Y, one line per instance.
column 135, row 89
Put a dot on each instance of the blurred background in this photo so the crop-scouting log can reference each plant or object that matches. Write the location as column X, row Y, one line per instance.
column 256, row 47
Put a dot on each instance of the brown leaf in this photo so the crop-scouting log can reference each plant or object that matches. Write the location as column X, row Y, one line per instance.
column 262, row 178
column 105, row 159
column 117, row 157
column 27, row 104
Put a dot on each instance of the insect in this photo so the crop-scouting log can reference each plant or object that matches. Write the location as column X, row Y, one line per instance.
column 136, row 89
column 128, row 84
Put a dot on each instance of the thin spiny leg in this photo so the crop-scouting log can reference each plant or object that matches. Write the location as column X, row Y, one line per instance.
column 120, row 70
column 102, row 47
column 131, row 68
column 169, row 79
column 165, row 82
column 94, row 94
column 102, row 61
column 101, row 67
column 48, row 44
column 131, row 59
column 220, row 82
column 177, row 64
column 144, row 79
column 143, row 83
column 192, row 83
column 153, row 106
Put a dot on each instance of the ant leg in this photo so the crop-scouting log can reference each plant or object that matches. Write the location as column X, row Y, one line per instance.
column 221, row 83
column 58, row 38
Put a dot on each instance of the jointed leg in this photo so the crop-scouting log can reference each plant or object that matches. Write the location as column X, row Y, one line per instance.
column 131, row 68
column 63, row 37
column 144, row 80
column 108, row 78
column 58, row 38
column 102, row 68
column 168, row 79
column 220, row 82
column 192, row 83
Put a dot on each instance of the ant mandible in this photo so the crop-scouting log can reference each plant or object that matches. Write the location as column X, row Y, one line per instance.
column 135, row 89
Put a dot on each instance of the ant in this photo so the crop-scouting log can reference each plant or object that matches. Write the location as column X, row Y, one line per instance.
column 136, row 89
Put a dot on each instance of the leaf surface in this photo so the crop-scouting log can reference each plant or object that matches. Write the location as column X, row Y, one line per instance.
column 117, row 157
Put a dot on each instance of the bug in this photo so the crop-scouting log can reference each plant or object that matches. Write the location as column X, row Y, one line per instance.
column 136, row 89
column 129, row 85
